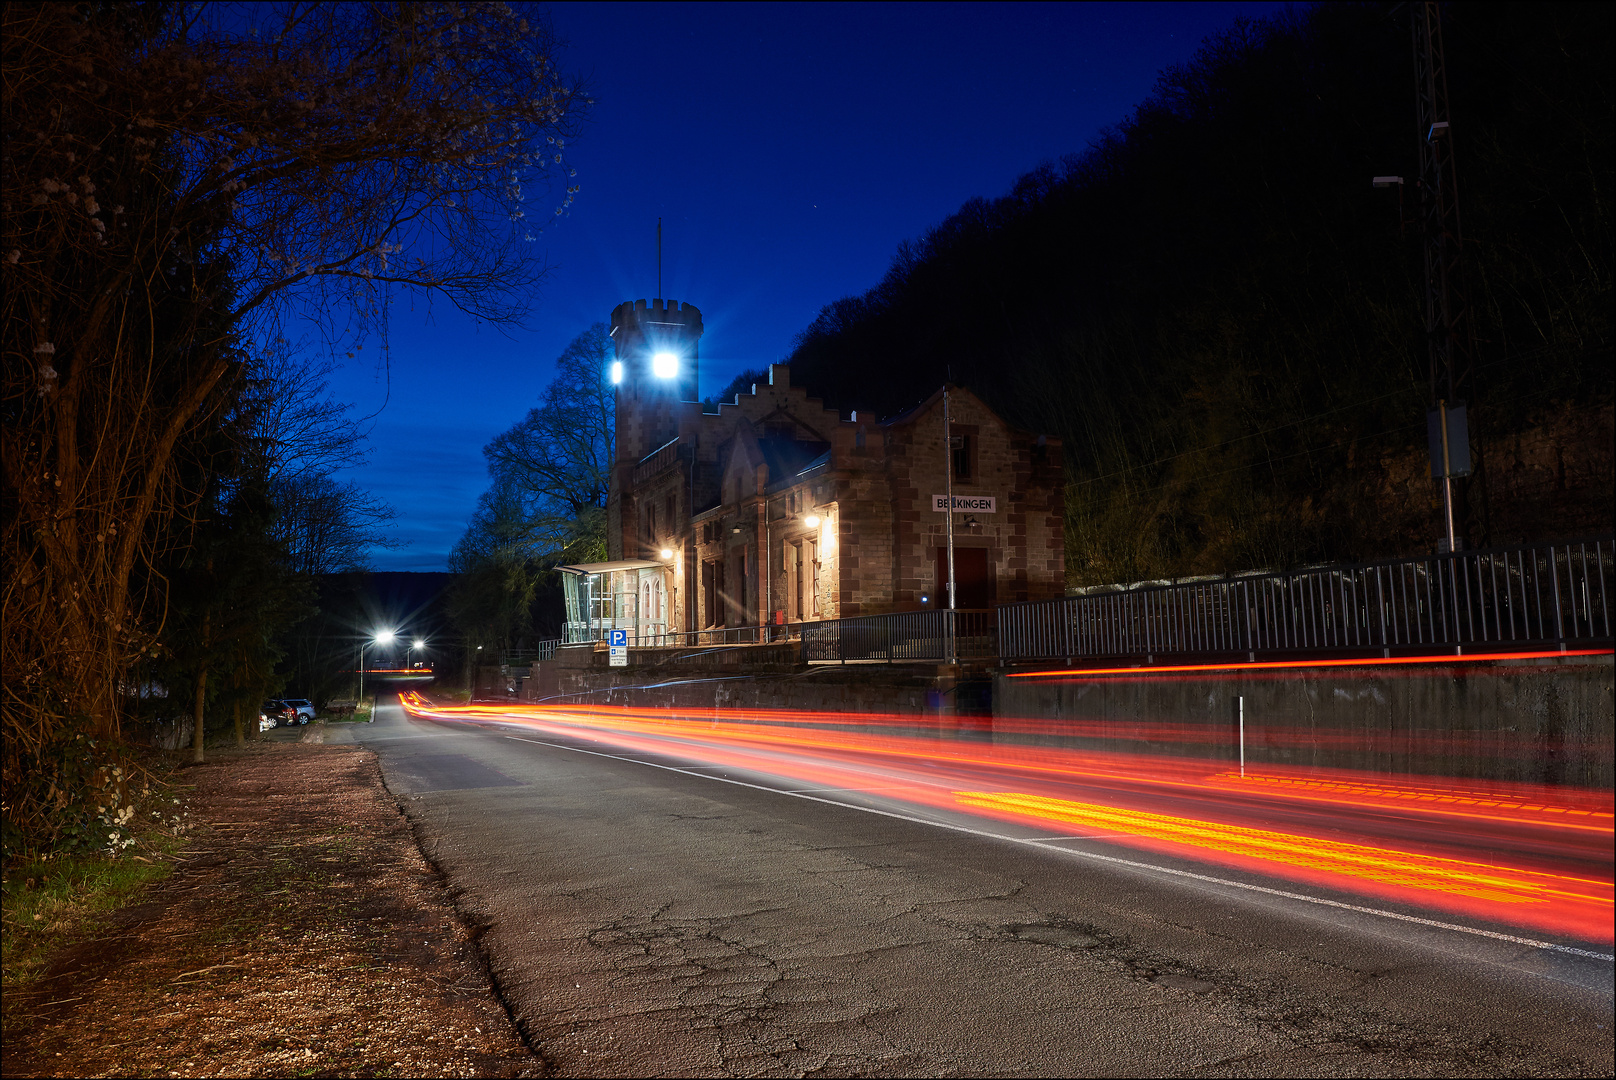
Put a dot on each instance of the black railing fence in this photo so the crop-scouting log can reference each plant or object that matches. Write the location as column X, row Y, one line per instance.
column 541, row 650
column 1546, row 595
column 1553, row 595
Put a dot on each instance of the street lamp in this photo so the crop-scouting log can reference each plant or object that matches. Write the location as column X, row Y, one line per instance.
column 665, row 365
column 419, row 644
column 383, row 637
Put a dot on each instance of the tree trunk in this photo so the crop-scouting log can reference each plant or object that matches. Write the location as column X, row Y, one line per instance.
column 241, row 739
column 201, row 697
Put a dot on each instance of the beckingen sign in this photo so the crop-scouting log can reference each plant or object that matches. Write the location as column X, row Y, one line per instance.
column 965, row 504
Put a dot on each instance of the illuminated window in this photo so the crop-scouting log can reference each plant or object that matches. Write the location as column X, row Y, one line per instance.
column 813, row 560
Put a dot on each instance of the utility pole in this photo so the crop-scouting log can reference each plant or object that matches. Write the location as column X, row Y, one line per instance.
column 948, row 496
column 1449, row 344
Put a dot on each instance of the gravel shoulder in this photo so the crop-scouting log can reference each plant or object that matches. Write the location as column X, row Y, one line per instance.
column 302, row 933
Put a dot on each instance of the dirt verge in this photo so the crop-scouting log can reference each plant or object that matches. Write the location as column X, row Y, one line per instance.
column 302, row 935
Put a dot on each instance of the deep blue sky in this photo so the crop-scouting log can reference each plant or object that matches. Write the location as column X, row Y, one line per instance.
column 789, row 149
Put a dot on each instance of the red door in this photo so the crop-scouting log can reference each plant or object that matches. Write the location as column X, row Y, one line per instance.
column 973, row 578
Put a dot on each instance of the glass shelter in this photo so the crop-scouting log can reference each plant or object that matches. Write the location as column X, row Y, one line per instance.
column 628, row 594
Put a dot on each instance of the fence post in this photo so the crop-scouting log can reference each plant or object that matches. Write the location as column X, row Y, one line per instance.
column 1559, row 616
column 1380, row 602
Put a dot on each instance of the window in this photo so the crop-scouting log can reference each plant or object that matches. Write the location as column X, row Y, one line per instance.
column 792, row 566
column 813, row 559
column 960, row 448
column 712, row 581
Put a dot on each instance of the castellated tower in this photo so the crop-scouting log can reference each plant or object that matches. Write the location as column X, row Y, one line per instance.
column 655, row 372
column 657, row 345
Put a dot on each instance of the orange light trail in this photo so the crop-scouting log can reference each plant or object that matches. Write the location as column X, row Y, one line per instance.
column 1412, row 839
column 1271, row 665
column 1401, row 868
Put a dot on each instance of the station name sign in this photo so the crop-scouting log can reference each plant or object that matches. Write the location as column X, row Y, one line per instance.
column 966, row 504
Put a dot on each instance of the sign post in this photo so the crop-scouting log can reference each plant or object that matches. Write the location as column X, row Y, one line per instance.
column 1449, row 434
column 948, row 488
column 617, row 648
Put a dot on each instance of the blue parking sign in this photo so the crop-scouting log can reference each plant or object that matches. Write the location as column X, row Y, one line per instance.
column 617, row 639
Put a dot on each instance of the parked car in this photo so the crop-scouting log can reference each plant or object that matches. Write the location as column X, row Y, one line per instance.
column 265, row 721
column 304, row 707
column 280, row 712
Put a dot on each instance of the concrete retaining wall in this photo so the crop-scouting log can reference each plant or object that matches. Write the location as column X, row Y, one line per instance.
column 1533, row 721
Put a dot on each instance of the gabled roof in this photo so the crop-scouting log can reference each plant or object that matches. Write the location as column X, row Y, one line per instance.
column 788, row 457
column 913, row 413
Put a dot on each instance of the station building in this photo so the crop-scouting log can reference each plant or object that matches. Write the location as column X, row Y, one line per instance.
column 776, row 510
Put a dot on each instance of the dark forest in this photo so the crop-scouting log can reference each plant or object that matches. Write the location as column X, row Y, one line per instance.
column 1221, row 317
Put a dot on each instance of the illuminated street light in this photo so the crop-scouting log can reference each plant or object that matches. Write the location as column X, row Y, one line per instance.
column 812, row 521
column 383, row 637
column 667, row 553
column 665, row 365
column 617, row 372
column 419, row 644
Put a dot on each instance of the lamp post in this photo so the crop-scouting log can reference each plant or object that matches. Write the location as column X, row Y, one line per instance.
column 383, row 637
column 419, row 644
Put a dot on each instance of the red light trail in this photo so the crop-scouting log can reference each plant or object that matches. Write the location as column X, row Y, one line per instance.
column 1279, row 665
column 1523, row 854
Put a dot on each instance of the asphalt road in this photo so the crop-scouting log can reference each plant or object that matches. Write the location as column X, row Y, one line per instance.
column 649, row 915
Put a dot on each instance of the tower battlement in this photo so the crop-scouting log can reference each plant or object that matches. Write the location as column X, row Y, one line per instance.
column 656, row 311
column 649, row 392
column 643, row 328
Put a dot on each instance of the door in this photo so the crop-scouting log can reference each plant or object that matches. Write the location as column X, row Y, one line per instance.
column 973, row 578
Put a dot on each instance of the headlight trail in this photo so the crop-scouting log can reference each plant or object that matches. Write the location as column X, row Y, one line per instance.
column 1523, row 854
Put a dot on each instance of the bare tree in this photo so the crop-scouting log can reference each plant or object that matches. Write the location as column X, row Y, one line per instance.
column 298, row 437
column 555, row 464
column 178, row 179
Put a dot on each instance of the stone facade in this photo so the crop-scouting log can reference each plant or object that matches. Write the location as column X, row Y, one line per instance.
column 776, row 509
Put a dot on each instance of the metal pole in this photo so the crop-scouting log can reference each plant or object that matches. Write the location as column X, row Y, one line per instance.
column 1242, row 706
column 1447, row 471
column 948, row 496
column 768, row 566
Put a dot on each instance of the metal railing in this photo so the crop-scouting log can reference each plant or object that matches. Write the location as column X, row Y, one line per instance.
column 1543, row 595
column 718, row 635
column 541, row 650
column 904, row 637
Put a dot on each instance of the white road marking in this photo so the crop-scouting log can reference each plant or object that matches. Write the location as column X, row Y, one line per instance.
column 1097, row 857
column 851, row 790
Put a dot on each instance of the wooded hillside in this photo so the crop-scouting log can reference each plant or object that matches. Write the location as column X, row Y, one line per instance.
column 1222, row 318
